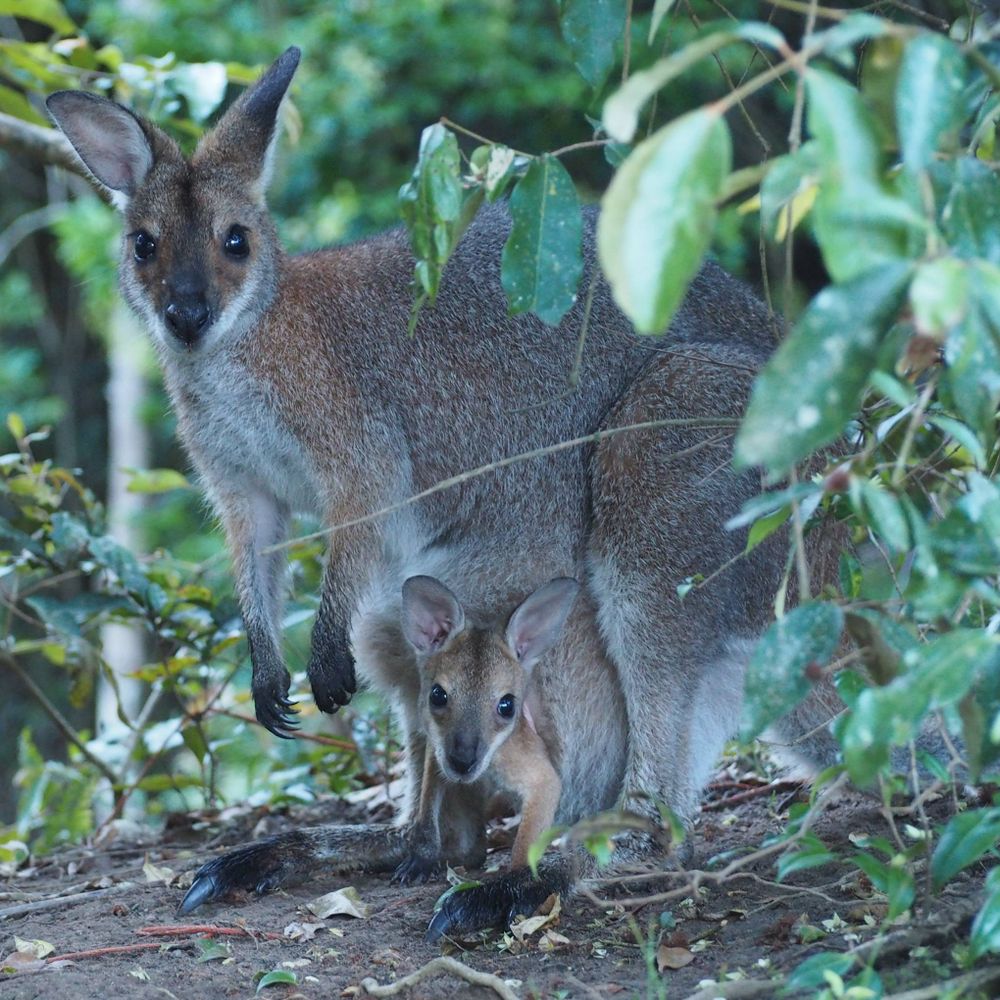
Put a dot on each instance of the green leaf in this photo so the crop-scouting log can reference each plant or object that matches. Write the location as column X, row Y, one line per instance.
column 929, row 106
column 156, row 481
column 622, row 108
column 16, row 426
column 659, row 214
column 279, row 977
column 14, row 103
column 431, row 205
column 47, row 12
column 970, row 217
column 810, row 388
column 809, row 974
column 194, row 740
column 966, row 838
column 660, row 10
column 859, row 225
column 541, row 263
column 777, row 678
column 766, row 526
column 591, row 29
column 212, row 951
column 790, row 179
column 541, row 844
column 985, row 934
column 810, row 852
column 939, row 296
column 886, row 516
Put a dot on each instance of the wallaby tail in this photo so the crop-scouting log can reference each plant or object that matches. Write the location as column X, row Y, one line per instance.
column 290, row 858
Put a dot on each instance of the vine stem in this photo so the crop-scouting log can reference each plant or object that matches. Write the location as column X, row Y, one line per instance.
column 727, row 423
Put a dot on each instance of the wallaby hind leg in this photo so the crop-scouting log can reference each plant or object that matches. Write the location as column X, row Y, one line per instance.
column 661, row 499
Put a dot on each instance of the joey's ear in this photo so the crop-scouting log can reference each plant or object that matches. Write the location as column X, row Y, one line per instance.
column 111, row 141
column 245, row 137
column 537, row 623
column 431, row 613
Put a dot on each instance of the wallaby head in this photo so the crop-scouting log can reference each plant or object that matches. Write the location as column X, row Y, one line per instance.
column 472, row 678
column 200, row 251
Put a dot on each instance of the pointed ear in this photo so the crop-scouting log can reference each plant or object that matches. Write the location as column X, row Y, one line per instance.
column 431, row 614
column 112, row 142
column 245, row 137
column 537, row 623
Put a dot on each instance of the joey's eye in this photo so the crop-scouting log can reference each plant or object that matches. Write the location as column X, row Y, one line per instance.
column 439, row 697
column 505, row 707
column 143, row 246
column 237, row 244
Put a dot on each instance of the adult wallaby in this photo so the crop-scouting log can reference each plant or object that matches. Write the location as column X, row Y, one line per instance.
column 298, row 389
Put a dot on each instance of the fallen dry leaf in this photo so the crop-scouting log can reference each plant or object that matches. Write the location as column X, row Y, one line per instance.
column 155, row 873
column 302, row 931
column 551, row 940
column 341, row 903
column 547, row 913
column 35, row 948
column 672, row 958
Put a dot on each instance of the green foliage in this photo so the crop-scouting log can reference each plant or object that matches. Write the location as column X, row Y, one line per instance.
column 541, row 263
column 779, row 674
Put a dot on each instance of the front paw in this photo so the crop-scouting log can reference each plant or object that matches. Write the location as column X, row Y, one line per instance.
column 490, row 904
column 333, row 679
column 416, row 870
column 275, row 711
column 259, row 868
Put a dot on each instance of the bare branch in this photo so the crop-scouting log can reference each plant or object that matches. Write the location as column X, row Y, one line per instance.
column 46, row 144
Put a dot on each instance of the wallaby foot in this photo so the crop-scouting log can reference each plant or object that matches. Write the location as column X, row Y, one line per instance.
column 331, row 667
column 498, row 902
column 275, row 712
column 258, row 868
column 417, row 869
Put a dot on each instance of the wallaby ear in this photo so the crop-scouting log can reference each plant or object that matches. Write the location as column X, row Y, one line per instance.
column 245, row 137
column 109, row 139
column 537, row 623
column 431, row 613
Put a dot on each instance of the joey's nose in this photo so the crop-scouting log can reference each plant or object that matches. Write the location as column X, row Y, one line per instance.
column 187, row 318
column 463, row 755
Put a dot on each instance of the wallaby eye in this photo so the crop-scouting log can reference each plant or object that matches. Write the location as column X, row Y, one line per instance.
column 439, row 697
column 505, row 707
column 237, row 244
column 144, row 246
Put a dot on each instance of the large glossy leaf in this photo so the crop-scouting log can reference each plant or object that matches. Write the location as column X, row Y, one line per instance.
column 592, row 29
column 812, row 385
column 985, row 934
column 964, row 840
column 929, row 108
column 777, row 678
column 541, row 263
column 970, row 217
column 658, row 216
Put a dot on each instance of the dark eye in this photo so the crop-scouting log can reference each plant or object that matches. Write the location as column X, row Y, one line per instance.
column 237, row 244
column 439, row 697
column 144, row 245
column 505, row 707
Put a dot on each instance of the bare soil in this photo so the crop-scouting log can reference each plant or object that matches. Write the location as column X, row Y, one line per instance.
column 749, row 926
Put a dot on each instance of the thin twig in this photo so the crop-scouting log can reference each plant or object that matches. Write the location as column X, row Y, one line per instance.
column 117, row 949
column 208, row 930
column 57, row 717
column 58, row 902
column 436, row 967
column 727, row 423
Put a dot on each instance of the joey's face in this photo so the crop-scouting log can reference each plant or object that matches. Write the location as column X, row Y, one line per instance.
column 198, row 256
column 472, row 693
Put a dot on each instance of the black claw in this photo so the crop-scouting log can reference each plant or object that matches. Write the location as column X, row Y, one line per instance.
column 417, row 870
column 203, row 890
column 440, row 925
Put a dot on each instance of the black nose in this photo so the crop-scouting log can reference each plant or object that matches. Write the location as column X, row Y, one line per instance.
column 461, row 764
column 463, row 753
column 187, row 317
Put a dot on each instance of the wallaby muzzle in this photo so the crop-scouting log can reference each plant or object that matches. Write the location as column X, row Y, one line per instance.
column 463, row 755
column 187, row 316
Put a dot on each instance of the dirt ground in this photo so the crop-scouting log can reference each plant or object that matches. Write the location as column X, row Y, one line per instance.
column 750, row 927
